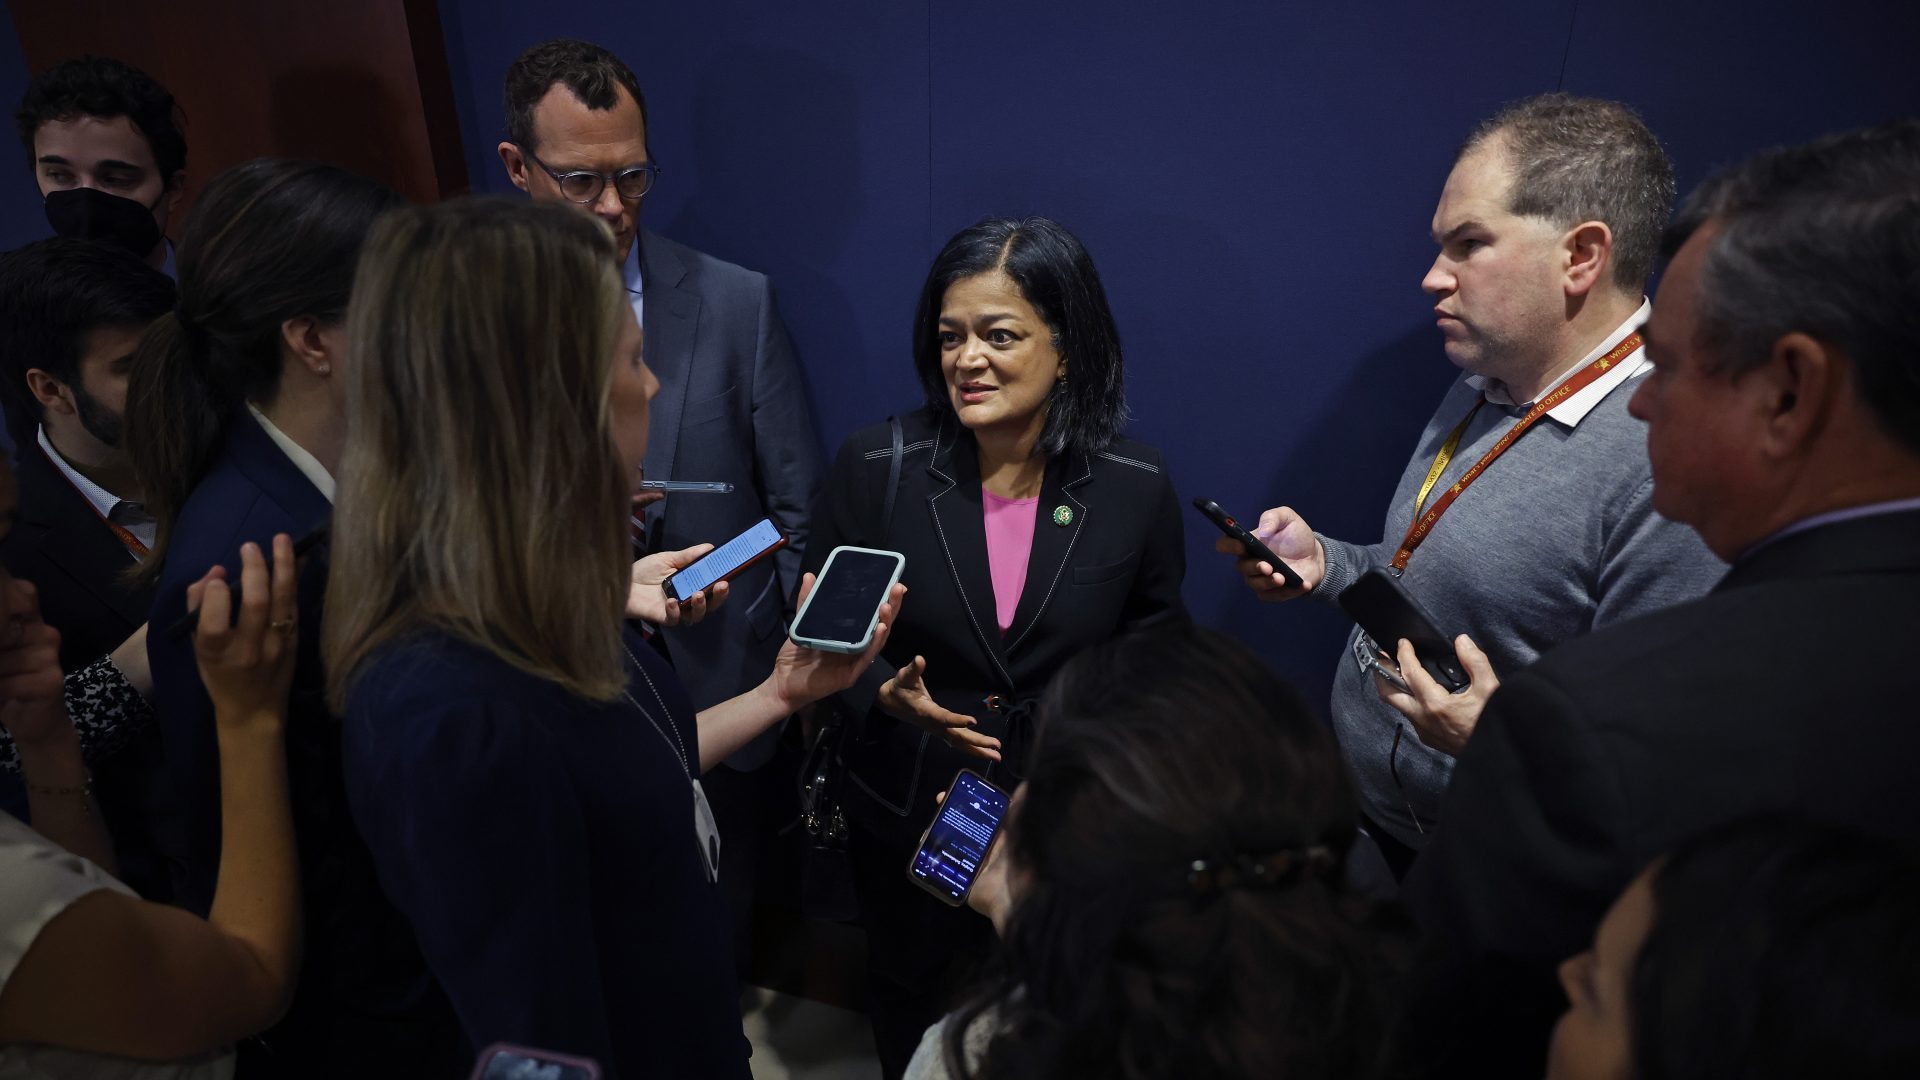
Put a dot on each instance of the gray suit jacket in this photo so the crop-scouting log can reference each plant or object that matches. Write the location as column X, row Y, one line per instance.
column 732, row 406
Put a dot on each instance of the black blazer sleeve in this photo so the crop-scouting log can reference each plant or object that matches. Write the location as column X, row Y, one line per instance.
column 1163, row 564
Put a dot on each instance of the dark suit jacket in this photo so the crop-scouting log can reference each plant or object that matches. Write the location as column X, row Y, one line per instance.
column 364, row 993
column 1118, row 564
column 731, row 406
column 1786, row 689
column 60, row 544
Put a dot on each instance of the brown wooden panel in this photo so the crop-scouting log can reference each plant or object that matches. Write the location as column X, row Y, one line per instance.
column 359, row 83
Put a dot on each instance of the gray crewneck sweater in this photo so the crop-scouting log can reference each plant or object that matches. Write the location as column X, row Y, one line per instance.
column 1556, row 538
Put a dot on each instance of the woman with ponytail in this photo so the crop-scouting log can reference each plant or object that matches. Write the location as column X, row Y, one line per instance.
column 236, row 421
column 1170, row 886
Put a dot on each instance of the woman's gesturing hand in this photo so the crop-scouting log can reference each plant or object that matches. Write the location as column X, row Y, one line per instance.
column 905, row 697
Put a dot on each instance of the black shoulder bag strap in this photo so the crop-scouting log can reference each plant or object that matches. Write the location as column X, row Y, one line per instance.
column 893, row 475
column 826, row 879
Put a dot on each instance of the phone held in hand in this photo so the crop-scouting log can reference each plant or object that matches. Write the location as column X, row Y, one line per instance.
column 504, row 1061
column 840, row 614
column 954, row 847
column 761, row 539
column 1255, row 549
column 1388, row 612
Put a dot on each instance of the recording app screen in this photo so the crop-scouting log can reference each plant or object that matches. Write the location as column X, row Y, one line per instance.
column 726, row 558
column 845, row 597
column 506, row 1065
column 957, row 843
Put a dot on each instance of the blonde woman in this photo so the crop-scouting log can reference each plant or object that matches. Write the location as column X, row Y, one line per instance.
column 525, row 769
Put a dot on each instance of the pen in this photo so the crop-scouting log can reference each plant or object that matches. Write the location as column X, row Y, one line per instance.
column 713, row 487
column 184, row 624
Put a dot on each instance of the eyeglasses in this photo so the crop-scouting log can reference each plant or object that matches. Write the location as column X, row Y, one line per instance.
column 585, row 185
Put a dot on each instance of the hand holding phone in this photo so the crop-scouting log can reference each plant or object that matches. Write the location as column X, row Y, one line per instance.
column 953, row 850
column 647, row 601
column 840, row 614
column 756, row 542
column 1389, row 614
column 1251, row 548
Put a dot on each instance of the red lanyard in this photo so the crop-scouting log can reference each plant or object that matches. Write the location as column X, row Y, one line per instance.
column 1423, row 523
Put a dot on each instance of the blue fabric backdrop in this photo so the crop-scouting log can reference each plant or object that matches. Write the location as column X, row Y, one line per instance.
column 1254, row 180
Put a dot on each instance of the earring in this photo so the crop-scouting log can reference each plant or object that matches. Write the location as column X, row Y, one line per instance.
column 324, row 368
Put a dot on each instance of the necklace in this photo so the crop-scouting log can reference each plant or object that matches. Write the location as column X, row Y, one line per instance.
column 706, row 831
column 673, row 741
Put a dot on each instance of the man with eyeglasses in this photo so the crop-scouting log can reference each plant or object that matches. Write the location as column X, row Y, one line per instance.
column 731, row 406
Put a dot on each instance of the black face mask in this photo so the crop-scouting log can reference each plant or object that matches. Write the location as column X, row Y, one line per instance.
column 92, row 214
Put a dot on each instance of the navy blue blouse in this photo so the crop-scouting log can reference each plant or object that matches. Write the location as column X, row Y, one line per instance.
column 543, row 848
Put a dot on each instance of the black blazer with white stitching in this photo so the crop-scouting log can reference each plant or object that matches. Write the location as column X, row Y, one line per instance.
column 1111, row 561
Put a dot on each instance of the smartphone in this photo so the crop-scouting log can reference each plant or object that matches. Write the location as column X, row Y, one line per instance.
column 503, row 1061
column 954, row 847
column 1388, row 612
column 1255, row 549
column 844, row 606
column 761, row 539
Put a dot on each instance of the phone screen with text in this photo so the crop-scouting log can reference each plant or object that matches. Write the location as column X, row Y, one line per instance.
column 726, row 559
column 950, row 857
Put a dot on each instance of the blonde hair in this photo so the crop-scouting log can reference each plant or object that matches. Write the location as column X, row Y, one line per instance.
column 480, row 493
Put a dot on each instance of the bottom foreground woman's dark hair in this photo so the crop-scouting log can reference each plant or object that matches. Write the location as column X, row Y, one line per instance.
column 1178, row 858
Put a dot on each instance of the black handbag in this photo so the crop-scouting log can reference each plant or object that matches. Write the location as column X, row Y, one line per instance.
column 826, row 876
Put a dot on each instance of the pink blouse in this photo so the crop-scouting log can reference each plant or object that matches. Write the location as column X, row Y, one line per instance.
column 1009, row 543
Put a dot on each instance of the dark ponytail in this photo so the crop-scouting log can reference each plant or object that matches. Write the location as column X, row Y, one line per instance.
column 269, row 240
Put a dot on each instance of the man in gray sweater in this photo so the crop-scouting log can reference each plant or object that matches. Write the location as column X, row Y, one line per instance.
column 1523, row 518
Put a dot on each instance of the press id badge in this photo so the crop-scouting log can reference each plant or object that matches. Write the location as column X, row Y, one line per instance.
column 706, row 833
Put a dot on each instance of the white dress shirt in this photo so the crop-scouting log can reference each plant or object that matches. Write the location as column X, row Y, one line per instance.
column 1571, row 411
column 308, row 465
column 129, row 515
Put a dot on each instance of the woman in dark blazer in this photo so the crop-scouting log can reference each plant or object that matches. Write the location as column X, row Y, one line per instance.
column 234, row 422
column 1031, row 531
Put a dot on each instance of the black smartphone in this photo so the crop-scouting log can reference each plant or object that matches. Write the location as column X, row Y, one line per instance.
column 955, row 846
column 1255, row 549
column 761, row 539
column 842, row 612
column 1388, row 612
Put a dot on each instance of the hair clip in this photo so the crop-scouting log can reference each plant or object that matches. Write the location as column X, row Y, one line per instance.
column 1267, row 871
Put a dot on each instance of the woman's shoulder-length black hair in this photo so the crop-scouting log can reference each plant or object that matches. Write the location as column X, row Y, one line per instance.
column 1056, row 275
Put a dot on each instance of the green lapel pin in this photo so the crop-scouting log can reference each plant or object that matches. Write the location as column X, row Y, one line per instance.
column 1063, row 516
